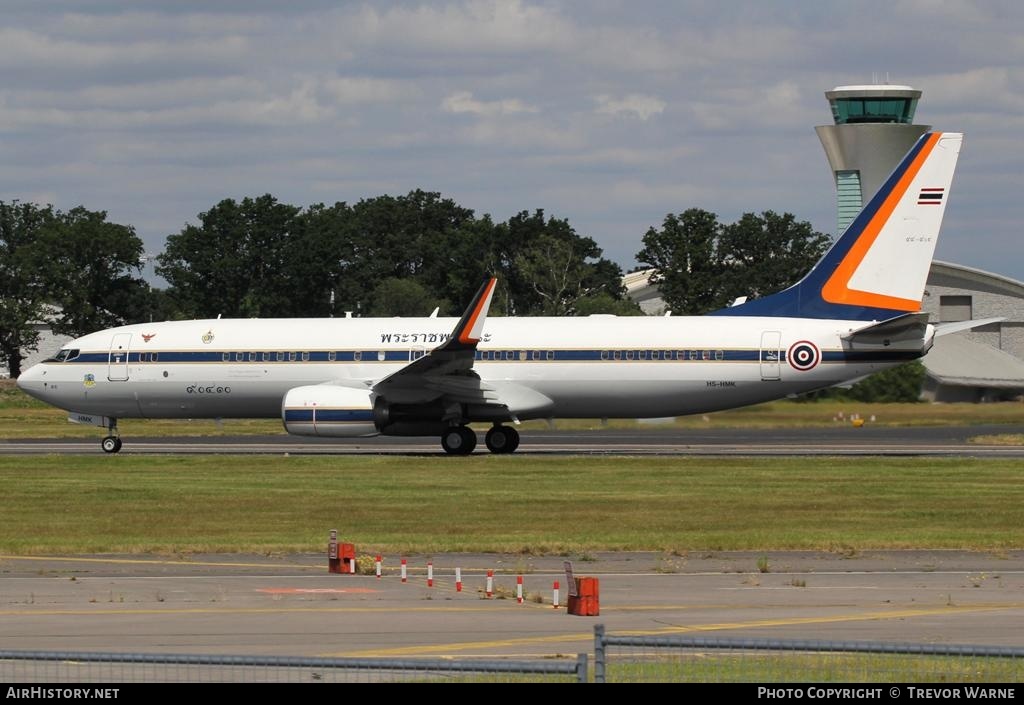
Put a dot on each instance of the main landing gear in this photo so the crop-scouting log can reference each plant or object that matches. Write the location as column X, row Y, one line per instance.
column 502, row 439
column 112, row 443
column 461, row 440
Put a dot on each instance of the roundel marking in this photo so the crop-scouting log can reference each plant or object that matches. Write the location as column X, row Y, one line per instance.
column 803, row 355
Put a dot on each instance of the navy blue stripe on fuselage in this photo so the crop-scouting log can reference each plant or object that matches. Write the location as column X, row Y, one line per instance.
column 534, row 355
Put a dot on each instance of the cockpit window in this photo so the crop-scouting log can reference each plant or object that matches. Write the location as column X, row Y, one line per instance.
column 64, row 355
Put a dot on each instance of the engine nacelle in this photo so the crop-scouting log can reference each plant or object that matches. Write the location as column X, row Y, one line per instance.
column 329, row 410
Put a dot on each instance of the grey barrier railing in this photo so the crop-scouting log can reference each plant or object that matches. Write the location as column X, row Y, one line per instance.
column 81, row 667
column 764, row 660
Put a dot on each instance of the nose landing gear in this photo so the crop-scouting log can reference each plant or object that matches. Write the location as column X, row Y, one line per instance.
column 112, row 443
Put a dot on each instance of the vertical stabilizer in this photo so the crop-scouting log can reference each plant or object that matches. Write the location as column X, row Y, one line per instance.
column 878, row 268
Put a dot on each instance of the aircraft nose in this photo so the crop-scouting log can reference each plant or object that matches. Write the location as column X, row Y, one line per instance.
column 31, row 380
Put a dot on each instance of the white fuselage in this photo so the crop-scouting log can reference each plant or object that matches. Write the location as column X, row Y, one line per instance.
column 589, row 367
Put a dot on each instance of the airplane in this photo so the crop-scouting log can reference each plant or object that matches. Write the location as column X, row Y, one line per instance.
column 856, row 312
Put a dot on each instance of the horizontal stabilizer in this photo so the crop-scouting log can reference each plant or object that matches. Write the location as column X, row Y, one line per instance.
column 910, row 326
column 957, row 326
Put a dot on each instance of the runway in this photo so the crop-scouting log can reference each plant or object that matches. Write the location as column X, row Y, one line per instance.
column 291, row 606
column 827, row 441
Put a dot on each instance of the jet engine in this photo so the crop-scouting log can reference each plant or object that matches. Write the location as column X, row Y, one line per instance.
column 329, row 410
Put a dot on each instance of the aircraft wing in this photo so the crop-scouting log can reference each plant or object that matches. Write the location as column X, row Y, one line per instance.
column 448, row 368
column 446, row 372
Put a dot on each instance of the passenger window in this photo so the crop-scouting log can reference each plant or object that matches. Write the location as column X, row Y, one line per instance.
column 604, row 354
column 551, row 354
column 357, row 355
column 629, row 354
column 706, row 354
column 719, row 354
column 226, row 357
column 330, row 356
column 305, row 357
column 381, row 356
column 292, row 356
column 536, row 354
column 617, row 354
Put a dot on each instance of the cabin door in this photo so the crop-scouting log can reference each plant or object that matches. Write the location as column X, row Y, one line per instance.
column 117, row 360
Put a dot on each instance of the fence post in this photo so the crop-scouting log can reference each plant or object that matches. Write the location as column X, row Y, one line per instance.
column 581, row 668
column 599, row 654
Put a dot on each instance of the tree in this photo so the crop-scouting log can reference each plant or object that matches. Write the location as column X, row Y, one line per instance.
column 701, row 265
column 231, row 263
column 687, row 268
column 417, row 235
column 603, row 302
column 71, row 270
column 545, row 267
column 766, row 253
column 89, row 267
column 402, row 297
column 898, row 384
column 22, row 288
column 259, row 257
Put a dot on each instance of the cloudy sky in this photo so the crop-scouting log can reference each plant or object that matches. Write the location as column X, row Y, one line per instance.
column 609, row 113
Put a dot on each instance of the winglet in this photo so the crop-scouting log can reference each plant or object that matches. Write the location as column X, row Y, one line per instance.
column 470, row 327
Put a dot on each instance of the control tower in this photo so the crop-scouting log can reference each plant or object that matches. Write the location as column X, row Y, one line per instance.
column 873, row 131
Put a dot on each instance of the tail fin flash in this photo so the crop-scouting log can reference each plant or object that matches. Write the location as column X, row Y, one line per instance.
column 877, row 269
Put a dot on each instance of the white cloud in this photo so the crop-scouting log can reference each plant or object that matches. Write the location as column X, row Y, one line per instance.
column 157, row 110
column 634, row 104
column 478, row 26
column 464, row 102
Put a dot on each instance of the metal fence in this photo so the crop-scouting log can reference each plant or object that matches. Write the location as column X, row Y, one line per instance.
column 617, row 658
column 81, row 667
column 700, row 659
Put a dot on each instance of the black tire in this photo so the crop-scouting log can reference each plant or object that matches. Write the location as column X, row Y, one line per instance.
column 502, row 439
column 458, row 440
column 110, row 444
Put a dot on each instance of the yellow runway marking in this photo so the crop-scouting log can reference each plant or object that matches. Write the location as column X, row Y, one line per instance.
column 441, row 649
column 143, row 561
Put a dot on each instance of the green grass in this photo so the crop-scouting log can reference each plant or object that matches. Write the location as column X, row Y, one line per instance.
column 86, row 504
column 789, row 667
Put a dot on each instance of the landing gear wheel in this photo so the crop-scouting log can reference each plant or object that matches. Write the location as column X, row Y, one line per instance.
column 458, row 440
column 502, row 439
column 111, row 444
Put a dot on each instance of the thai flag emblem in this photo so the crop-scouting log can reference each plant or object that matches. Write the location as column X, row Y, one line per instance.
column 930, row 196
